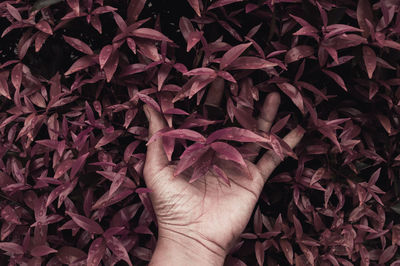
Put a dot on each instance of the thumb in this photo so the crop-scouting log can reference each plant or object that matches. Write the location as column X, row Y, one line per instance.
column 155, row 157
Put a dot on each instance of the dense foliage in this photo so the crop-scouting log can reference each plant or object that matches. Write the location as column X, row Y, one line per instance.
column 74, row 76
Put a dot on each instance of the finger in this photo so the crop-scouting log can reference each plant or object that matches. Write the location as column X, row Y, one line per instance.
column 215, row 93
column 156, row 158
column 270, row 160
column 265, row 119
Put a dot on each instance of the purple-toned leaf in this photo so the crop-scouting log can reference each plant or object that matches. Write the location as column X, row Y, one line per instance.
column 228, row 152
column 11, row 247
column 287, row 250
column 364, row 11
column 16, row 75
column 70, row 255
column 221, row 174
column 259, row 250
column 221, row 3
column 13, row 12
column 298, row 53
column 250, row 62
column 196, row 6
column 387, row 254
column 118, row 249
column 96, row 252
column 104, row 55
column 150, row 101
column 111, row 65
column 236, row 134
column 42, row 250
column 294, row 94
column 9, row 214
column 44, row 26
column 336, row 78
column 62, row 168
column 108, row 138
column 78, row 45
column 80, row 64
column 369, row 60
column 148, row 33
column 185, row 134
column 201, row 71
column 86, row 223
column 280, row 124
column 190, row 156
column 232, row 55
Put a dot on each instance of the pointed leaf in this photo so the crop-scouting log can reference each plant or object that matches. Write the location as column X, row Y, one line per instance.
column 190, row 156
column 185, row 134
column 148, row 33
column 86, row 223
column 336, row 78
column 42, row 250
column 78, row 45
column 236, row 134
column 104, row 55
column 11, row 247
column 369, row 60
column 298, row 52
column 251, row 62
column 221, row 3
column 228, row 152
column 96, row 252
column 233, row 54
column 81, row 63
column 118, row 249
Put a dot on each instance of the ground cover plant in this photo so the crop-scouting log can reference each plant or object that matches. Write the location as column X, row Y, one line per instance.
column 75, row 74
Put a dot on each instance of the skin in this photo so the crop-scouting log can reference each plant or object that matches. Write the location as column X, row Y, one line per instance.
column 200, row 222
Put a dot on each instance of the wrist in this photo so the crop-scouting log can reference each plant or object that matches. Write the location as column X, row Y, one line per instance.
column 175, row 248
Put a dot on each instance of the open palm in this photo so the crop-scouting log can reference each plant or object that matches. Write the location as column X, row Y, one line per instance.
column 208, row 211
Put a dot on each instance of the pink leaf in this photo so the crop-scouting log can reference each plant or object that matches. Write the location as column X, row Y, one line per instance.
column 62, row 168
column 233, row 54
column 201, row 71
column 294, row 94
column 44, row 26
column 387, row 254
column 280, row 124
column 70, row 255
column 16, row 75
column 118, row 249
column 86, row 223
column 78, row 45
column 108, row 138
column 236, row 134
column 9, row 214
column 298, row 52
column 369, row 60
column 221, row 174
column 96, row 252
column 42, row 250
column 11, row 247
column 111, row 65
column 104, row 55
column 228, row 152
column 190, row 156
column 150, row 101
column 336, row 78
column 287, row 250
column 221, row 3
column 81, row 63
column 13, row 12
column 134, row 10
column 259, row 250
column 196, row 6
column 185, row 134
column 251, row 62
column 150, row 34
column 364, row 11
column 227, row 76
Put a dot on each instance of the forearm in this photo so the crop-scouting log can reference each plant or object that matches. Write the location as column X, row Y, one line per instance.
column 178, row 250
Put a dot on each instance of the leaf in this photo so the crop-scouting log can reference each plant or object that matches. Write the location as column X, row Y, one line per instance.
column 336, row 78
column 42, row 250
column 185, row 134
column 369, row 60
column 111, row 65
column 201, row 71
column 298, row 52
column 294, row 94
column 150, row 34
column 196, row 6
column 228, row 152
column 150, row 101
column 13, row 12
column 118, row 249
column 70, row 255
column 40, row 4
column 190, row 156
column 104, row 55
column 236, row 134
column 96, row 252
column 287, row 250
column 62, row 168
column 134, row 10
column 4, row 89
column 221, row 174
column 364, row 11
column 80, row 64
column 221, row 3
column 259, row 250
column 16, row 76
column 44, row 26
column 387, row 254
column 78, row 45
column 9, row 215
column 86, row 223
column 233, row 54
column 108, row 138
column 251, row 62
column 280, row 124
column 12, row 248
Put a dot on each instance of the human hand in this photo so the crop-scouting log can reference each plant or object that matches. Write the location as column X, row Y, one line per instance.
column 199, row 222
